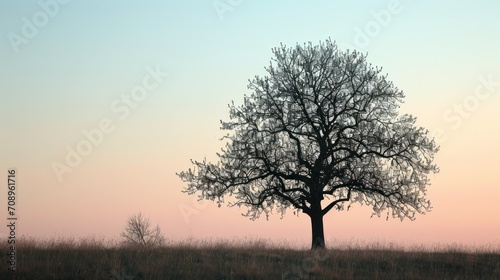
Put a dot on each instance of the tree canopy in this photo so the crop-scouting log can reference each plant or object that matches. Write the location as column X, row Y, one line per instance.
column 320, row 131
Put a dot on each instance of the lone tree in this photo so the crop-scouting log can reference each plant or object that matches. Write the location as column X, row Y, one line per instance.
column 139, row 232
column 322, row 124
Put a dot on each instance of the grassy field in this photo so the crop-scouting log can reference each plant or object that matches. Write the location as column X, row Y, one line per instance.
column 93, row 259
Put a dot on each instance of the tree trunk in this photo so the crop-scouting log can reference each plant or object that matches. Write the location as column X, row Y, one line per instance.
column 318, row 233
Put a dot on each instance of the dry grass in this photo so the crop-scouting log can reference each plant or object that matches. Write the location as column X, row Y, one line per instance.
column 100, row 259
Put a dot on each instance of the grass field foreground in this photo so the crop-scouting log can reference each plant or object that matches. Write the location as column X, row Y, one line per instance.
column 96, row 259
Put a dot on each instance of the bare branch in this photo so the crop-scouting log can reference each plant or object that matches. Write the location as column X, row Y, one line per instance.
column 139, row 232
column 321, row 123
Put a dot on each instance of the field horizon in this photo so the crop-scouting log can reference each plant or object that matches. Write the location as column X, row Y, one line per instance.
column 102, row 241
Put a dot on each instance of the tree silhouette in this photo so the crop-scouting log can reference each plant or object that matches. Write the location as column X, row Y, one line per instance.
column 139, row 232
column 322, row 124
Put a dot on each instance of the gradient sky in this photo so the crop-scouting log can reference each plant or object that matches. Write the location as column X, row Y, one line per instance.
column 70, row 66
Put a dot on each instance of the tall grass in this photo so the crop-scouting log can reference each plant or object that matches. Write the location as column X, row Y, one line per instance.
column 97, row 258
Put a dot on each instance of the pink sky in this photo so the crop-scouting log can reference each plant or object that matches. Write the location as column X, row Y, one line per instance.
column 80, row 69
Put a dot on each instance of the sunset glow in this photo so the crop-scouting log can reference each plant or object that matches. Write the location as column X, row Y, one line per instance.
column 102, row 103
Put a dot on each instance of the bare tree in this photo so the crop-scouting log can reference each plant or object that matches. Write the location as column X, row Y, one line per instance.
column 139, row 232
column 319, row 132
